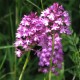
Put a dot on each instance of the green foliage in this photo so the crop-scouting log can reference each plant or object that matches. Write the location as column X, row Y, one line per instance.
column 11, row 12
column 73, row 49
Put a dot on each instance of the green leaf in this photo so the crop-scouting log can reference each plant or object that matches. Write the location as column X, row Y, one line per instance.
column 77, row 40
column 71, row 42
column 72, row 48
column 74, row 36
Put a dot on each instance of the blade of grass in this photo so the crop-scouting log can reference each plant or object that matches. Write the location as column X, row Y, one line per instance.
column 74, row 77
column 11, row 61
column 42, row 5
column 17, row 16
column 1, row 78
column 1, row 65
column 4, row 47
column 7, row 15
column 24, row 67
column 11, row 25
column 70, row 68
column 33, row 4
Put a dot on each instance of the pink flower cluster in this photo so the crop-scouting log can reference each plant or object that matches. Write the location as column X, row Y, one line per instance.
column 44, row 31
column 56, row 18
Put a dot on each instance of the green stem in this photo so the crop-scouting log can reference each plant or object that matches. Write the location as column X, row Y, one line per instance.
column 50, row 73
column 24, row 67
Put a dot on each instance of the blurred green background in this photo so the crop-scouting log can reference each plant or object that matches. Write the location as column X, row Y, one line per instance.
column 11, row 12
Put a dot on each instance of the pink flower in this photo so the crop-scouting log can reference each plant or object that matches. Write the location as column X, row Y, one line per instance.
column 44, row 31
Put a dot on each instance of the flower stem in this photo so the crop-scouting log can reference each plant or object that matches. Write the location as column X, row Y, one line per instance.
column 50, row 73
column 24, row 67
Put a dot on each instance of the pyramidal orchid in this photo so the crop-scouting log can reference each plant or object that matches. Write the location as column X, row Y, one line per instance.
column 44, row 31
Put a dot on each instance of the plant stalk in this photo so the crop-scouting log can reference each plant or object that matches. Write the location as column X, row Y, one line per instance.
column 24, row 67
column 50, row 73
